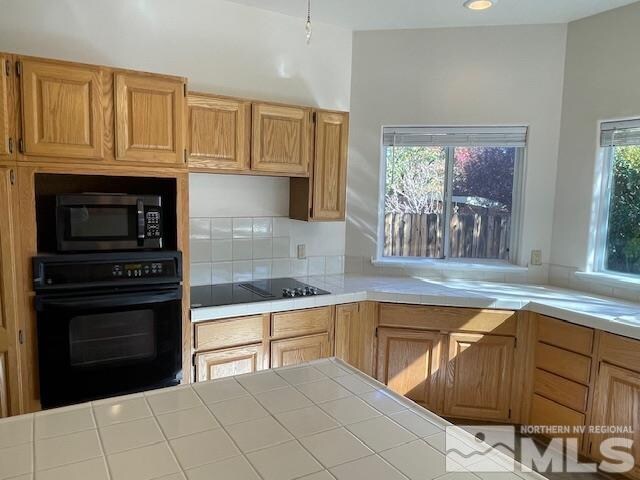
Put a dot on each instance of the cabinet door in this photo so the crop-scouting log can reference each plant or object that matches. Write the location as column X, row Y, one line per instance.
column 5, row 118
column 149, row 117
column 62, row 109
column 218, row 135
column 8, row 342
column 478, row 376
column 409, row 364
column 294, row 351
column 228, row 362
column 330, row 166
column 355, row 335
column 281, row 139
column 617, row 403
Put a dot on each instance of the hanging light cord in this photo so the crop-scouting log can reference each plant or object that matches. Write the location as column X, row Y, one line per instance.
column 307, row 26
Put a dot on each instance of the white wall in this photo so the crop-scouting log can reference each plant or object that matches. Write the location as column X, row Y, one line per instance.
column 221, row 47
column 493, row 75
column 601, row 83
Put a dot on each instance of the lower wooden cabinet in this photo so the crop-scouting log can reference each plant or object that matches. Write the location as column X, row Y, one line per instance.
column 479, row 376
column 293, row 351
column 228, row 362
column 409, row 363
column 617, row 403
column 355, row 335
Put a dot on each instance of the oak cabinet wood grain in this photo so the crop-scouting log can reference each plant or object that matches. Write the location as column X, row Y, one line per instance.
column 62, row 109
column 218, row 133
column 296, row 323
column 355, row 335
column 617, row 403
column 479, row 376
column 10, row 376
column 293, row 351
column 229, row 332
column 281, row 139
column 322, row 196
column 230, row 361
column 410, row 362
column 149, row 117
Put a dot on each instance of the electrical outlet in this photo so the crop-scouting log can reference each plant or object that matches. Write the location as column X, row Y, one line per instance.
column 536, row 257
column 302, row 251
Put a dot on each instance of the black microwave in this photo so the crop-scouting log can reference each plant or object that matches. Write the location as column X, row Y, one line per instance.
column 106, row 221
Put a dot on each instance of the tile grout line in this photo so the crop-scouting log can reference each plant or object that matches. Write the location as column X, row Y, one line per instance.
column 242, row 454
column 104, row 454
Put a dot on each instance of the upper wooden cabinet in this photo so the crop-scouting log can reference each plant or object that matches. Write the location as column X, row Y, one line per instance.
column 478, row 377
column 62, row 109
column 330, row 166
column 6, row 126
column 218, row 133
column 149, row 118
column 281, row 139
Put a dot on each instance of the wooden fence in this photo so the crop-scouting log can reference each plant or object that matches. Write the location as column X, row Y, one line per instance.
column 476, row 232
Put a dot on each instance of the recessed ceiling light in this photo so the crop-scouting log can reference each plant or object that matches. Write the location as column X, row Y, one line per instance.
column 480, row 4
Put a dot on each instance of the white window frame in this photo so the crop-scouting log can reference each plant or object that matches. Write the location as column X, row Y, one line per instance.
column 600, row 224
column 516, row 213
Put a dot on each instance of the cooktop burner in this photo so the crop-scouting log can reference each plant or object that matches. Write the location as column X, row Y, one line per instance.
column 250, row 292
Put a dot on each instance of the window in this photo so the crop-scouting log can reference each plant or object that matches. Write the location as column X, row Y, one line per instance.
column 618, row 225
column 450, row 192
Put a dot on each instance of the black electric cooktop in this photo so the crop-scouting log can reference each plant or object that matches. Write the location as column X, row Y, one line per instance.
column 250, row 292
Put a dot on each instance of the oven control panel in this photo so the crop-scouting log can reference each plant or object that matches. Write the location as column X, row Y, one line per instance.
column 138, row 270
column 64, row 271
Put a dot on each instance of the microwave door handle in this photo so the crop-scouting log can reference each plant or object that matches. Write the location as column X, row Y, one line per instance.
column 140, row 207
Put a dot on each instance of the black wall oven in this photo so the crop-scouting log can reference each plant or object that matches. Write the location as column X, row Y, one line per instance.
column 108, row 324
column 108, row 221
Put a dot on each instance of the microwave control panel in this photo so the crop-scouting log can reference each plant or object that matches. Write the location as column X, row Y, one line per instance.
column 153, row 224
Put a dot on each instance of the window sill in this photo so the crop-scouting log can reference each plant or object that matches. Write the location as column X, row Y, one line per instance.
column 609, row 279
column 477, row 265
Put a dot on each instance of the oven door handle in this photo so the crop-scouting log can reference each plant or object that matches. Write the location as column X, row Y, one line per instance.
column 107, row 301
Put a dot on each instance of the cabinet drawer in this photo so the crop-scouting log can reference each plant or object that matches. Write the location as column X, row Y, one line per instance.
column 301, row 322
column 229, row 333
column 564, row 363
column 565, row 392
column 547, row 412
column 564, row 335
column 499, row 322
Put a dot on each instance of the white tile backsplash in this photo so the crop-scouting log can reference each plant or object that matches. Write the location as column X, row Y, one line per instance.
column 225, row 250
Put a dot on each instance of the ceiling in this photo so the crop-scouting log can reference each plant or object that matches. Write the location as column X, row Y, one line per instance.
column 389, row 14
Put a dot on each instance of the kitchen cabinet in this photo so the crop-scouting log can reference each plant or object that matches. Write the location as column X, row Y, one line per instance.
column 9, row 345
column 479, row 374
column 293, row 351
column 7, row 138
column 149, row 118
column 281, row 140
column 62, row 109
column 409, row 363
column 218, row 133
column 617, row 403
column 355, row 335
column 322, row 196
column 227, row 362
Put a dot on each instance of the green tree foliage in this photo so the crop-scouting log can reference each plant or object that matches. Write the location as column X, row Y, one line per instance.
column 623, row 236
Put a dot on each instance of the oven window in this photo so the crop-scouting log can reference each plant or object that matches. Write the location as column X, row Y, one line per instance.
column 98, row 222
column 109, row 338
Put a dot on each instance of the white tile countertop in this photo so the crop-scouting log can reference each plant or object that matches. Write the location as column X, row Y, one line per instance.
column 319, row 421
column 608, row 314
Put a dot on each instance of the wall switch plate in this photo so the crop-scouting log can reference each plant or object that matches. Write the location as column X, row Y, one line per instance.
column 536, row 257
column 302, row 251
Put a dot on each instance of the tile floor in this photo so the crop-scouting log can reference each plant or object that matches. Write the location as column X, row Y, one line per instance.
column 320, row 421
